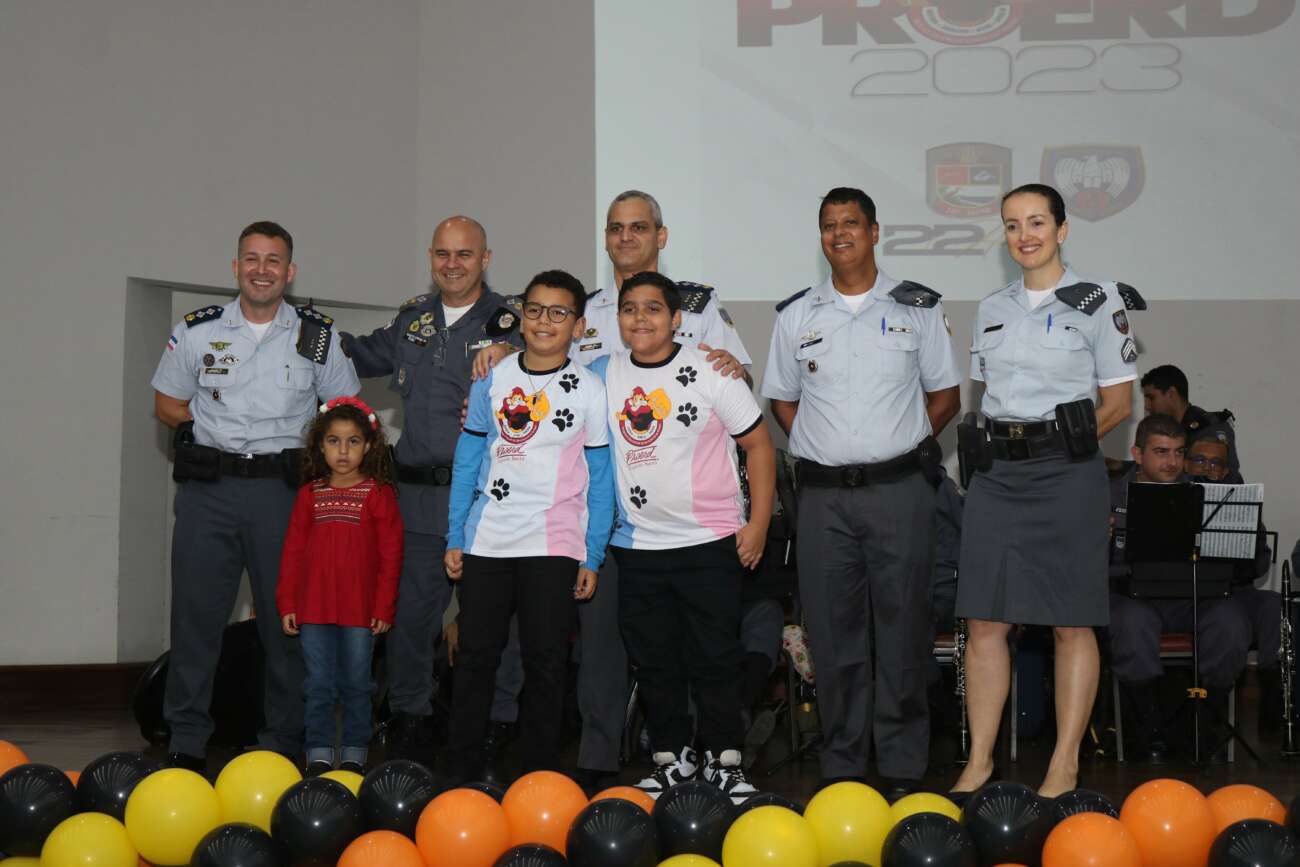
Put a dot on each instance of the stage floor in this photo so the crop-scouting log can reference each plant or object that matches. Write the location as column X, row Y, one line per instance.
column 69, row 739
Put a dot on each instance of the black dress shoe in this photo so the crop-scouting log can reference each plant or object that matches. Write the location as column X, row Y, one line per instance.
column 594, row 782
column 197, row 764
column 896, row 788
column 353, row 768
column 315, row 769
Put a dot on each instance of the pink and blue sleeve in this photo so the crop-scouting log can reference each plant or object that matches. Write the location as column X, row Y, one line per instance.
column 471, row 451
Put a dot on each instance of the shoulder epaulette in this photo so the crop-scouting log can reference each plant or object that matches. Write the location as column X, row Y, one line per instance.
column 593, row 293
column 203, row 314
column 515, row 303
column 1132, row 299
column 1087, row 297
column 793, row 298
column 314, row 335
column 695, row 296
column 412, row 302
column 914, row 294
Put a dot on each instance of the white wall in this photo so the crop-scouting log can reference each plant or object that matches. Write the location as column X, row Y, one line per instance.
column 141, row 135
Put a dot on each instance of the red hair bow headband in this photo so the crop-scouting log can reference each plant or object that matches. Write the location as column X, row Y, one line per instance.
column 354, row 402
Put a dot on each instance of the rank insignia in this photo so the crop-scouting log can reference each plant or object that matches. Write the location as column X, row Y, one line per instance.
column 1129, row 351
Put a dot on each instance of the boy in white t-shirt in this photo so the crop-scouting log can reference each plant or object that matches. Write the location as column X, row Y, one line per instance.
column 530, row 514
column 680, row 536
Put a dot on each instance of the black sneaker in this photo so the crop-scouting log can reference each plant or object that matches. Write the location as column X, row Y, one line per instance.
column 757, row 735
column 670, row 770
column 353, row 767
column 315, row 769
column 727, row 773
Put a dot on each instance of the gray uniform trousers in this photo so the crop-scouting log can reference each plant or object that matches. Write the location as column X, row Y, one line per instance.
column 864, row 557
column 223, row 527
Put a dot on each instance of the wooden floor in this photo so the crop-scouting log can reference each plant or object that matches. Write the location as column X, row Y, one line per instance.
column 69, row 739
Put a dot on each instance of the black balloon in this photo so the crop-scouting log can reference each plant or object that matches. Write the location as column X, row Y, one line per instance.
column 109, row 780
column 33, row 799
column 612, row 833
column 850, row 864
column 394, row 794
column 928, row 840
column 692, row 819
column 1008, row 822
column 236, row 845
column 492, row 790
column 1081, row 801
column 766, row 799
column 531, row 855
column 313, row 822
column 1254, row 843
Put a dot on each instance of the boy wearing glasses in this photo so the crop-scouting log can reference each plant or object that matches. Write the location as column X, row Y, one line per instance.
column 530, row 516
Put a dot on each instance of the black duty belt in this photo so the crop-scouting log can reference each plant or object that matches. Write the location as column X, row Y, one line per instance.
column 857, row 475
column 264, row 466
column 1022, row 440
column 438, row 476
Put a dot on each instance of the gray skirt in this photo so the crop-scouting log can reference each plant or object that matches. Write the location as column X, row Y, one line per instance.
column 1033, row 543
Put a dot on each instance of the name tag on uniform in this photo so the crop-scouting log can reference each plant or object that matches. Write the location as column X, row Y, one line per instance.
column 416, row 339
column 899, row 329
column 992, row 328
column 218, row 371
column 485, row 342
column 808, row 343
column 587, row 347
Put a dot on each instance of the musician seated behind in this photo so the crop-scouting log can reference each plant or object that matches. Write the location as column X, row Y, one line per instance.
column 1228, row 626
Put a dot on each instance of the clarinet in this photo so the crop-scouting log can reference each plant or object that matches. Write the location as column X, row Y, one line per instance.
column 959, row 666
column 1287, row 665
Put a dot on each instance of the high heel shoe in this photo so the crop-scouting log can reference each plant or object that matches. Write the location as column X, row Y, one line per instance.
column 961, row 797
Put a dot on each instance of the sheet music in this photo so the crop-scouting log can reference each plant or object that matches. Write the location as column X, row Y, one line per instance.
column 1235, row 508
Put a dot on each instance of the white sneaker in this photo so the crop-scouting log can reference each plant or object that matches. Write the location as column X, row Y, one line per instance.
column 725, row 772
column 670, row 770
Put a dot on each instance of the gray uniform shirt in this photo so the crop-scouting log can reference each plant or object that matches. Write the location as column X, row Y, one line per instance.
column 860, row 377
column 249, row 396
column 1032, row 359
column 710, row 325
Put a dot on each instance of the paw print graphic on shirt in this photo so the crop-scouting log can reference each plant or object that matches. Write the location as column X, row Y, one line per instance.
column 569, row 382
column 563, row 418
column 688, row 414
column 500, row 489
column 637, row 495
column 685, row 375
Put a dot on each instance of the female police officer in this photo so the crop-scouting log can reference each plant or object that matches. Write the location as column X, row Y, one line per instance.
column 1034, row 542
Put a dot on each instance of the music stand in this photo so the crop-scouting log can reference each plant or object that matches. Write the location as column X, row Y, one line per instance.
column 1162, row 547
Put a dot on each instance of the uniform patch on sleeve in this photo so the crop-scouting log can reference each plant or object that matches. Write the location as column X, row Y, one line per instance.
column 1129, row 351
column 1121, row 321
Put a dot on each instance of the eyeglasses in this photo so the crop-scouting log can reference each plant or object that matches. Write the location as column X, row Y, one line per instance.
column 1207, row 463
column 555, row 313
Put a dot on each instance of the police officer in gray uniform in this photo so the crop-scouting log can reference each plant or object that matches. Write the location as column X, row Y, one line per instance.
column 861, row 374
column 1033, row 547
column 240, row 382
column 426, row 352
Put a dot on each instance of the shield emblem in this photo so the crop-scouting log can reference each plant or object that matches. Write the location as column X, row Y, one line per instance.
column 965, row 22
column 1097, row 181
column 967, row 180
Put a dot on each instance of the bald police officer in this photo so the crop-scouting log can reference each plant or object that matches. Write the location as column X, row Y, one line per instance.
column 426, row 352
column 240, row 382
column 862, row 375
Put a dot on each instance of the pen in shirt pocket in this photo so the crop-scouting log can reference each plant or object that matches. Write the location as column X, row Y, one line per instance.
column 1049, row 323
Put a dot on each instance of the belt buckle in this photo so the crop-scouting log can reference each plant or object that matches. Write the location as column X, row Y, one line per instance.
column 1016, row 430
column 441, row 476
column 852, row 477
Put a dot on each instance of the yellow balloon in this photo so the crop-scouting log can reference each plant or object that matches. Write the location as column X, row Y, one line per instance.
column 850, row 821
column 20, row 861
column 924, row 802
column 249, row 786
column 770, row 835
column 85, row 840
column 350, row 779
column 688, row 861
column 168, row 814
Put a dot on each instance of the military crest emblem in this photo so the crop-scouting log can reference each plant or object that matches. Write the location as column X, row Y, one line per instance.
column 1097, row 181
column 967, row 179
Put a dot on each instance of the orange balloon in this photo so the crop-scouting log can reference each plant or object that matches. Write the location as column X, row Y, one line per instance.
column 11, row 757
column 381, row 849
column 1234, row 803
column 74, row 776
column 628, row 793
column 1091, row 840
column 1171, row 822
column 462, row 828
column 540, row 806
